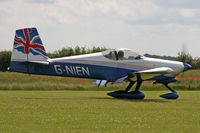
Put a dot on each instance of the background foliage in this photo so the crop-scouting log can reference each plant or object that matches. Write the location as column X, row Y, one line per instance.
column 5, row 56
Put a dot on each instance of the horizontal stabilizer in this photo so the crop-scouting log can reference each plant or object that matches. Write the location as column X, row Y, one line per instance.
column 101, row 82
column 40, row 62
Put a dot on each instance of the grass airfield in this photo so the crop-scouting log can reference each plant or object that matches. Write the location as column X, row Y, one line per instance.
column 38, row 104
column 94, row 111
column 18, row 81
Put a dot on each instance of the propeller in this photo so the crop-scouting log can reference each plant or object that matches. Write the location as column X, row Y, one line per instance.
column 184, row 54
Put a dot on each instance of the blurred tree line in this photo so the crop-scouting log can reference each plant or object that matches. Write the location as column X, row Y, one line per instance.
column 69, row 51
column 183, row 57
column 5, row 56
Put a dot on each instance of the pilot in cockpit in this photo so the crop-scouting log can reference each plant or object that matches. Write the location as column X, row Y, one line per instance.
column 120, row 55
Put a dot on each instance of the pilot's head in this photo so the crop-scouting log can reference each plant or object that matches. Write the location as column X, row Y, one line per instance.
column 120, row 55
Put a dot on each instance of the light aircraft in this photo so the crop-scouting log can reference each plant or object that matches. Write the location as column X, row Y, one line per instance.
column 113, row 65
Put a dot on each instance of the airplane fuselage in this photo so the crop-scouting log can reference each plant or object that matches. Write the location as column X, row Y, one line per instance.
column 113, row 65
column 98, row 67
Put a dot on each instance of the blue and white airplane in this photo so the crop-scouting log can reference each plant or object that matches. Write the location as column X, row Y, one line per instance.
column 114, row 65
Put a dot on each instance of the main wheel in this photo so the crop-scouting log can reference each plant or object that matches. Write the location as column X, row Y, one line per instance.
column 127, row 95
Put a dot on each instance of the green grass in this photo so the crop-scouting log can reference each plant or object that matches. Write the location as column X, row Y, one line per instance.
column 95, row 112
column 18, row 81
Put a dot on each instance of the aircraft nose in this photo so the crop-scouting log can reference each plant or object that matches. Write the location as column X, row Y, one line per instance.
column 186, row 67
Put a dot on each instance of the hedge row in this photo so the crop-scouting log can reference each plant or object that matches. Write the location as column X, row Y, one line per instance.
column 5, row 56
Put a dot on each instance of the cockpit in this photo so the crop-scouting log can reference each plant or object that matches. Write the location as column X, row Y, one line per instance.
column 121, row 54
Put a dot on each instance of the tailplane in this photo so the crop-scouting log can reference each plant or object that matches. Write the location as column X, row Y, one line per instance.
column 27, row 48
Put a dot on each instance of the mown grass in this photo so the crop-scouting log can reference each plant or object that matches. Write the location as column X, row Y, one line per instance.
column 95, row 112
column 17, row 81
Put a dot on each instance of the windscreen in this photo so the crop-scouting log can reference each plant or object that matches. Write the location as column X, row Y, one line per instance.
column 110, row 54
column 121, row 55
column 127, row 55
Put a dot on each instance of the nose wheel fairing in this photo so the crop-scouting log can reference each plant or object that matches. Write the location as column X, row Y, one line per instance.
column 172, row 95
column 169, row 95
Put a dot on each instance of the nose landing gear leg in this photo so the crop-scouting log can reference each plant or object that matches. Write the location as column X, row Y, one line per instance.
column 172, row 95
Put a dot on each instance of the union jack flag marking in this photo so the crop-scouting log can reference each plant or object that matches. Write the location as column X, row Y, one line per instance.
column 28, row 41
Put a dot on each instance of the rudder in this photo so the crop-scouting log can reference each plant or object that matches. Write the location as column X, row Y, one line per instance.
column 27, row 48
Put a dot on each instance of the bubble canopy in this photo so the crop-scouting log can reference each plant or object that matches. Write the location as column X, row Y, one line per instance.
column 121, row 54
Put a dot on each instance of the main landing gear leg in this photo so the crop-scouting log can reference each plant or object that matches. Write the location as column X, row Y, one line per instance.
column 130, row 95
column 139, row 83
column 130, row 85
column 172, row 95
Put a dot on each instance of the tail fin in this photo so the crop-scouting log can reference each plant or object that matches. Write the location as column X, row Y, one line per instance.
column 27, row 48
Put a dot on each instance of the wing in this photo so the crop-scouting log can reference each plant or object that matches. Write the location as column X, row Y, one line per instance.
column 160, row 70
column 150, row 73
column 146, row 74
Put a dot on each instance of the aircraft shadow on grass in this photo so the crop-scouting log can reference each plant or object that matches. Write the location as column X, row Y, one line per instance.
column 96, row 98
column 43, row 98
column 133, row 100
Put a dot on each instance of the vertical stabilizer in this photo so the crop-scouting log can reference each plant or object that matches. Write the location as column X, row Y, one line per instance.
column 27, row 47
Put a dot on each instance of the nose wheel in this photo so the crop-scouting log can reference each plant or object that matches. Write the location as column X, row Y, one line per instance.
column 172, row 95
